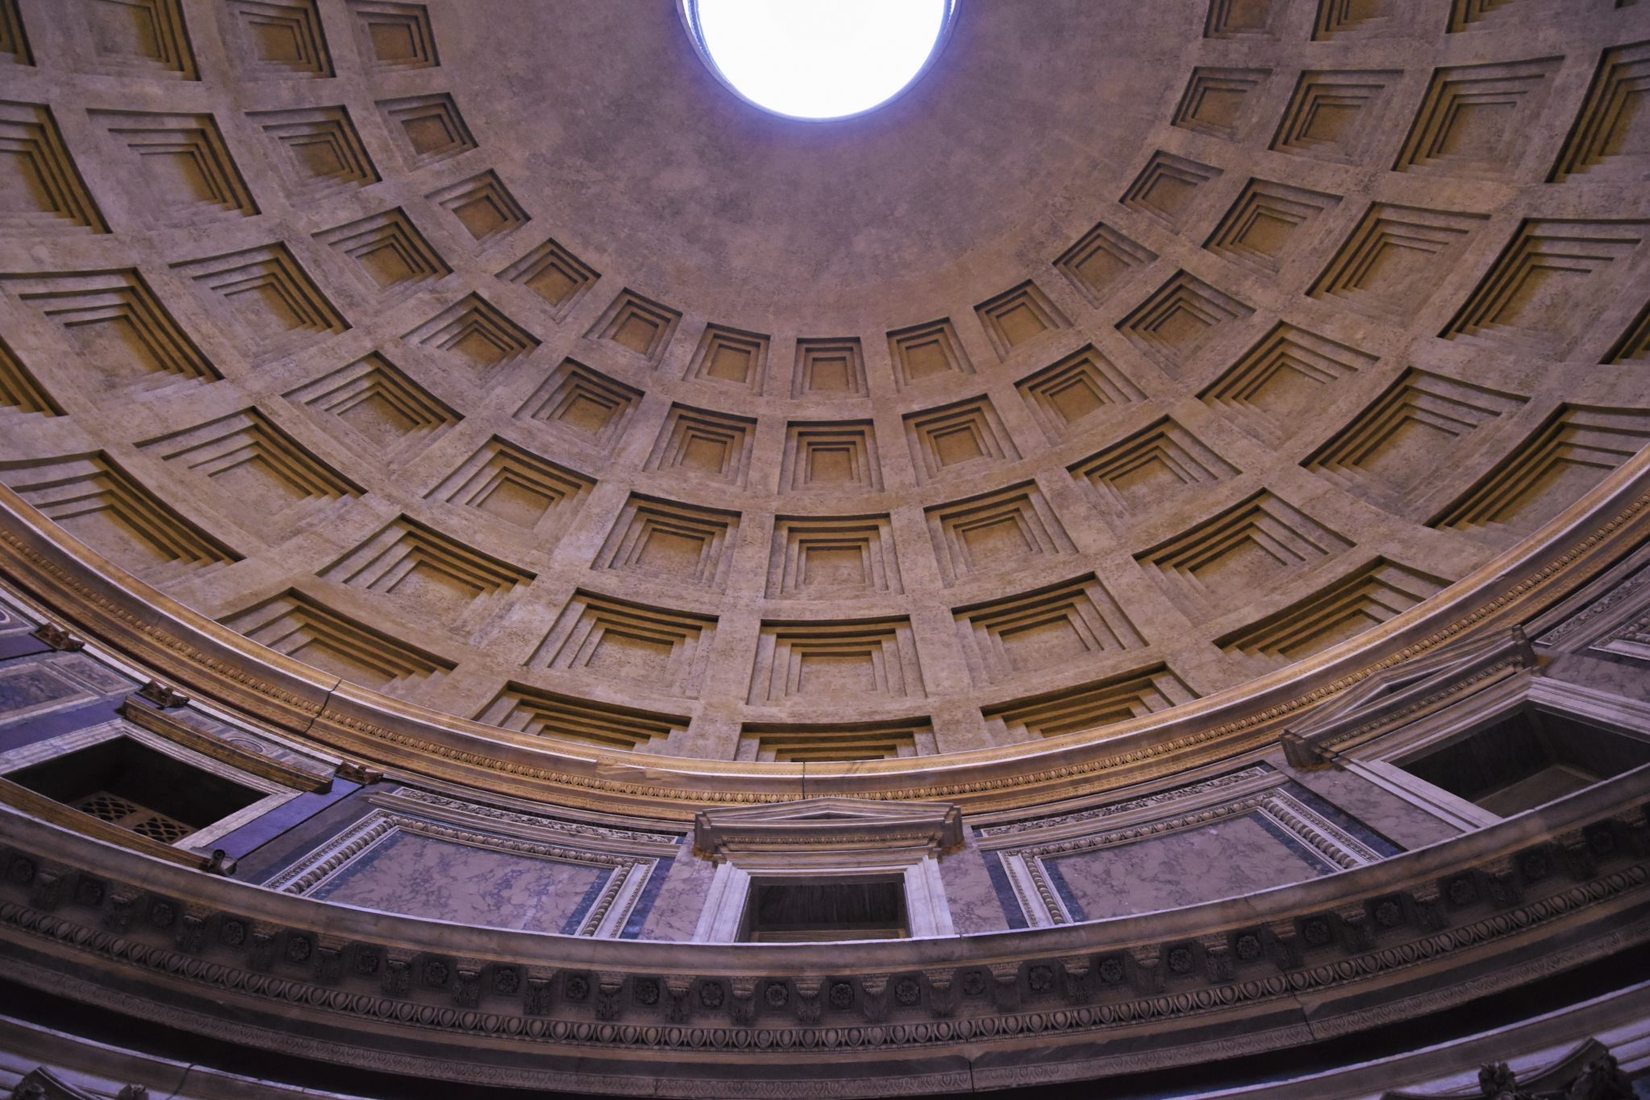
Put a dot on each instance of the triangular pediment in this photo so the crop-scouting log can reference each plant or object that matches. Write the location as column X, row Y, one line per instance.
column 831, row 808
column 1405, row 691
column 824, row 822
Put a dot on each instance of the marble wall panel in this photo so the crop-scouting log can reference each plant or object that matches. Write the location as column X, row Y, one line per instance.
column 1234, row 856
column 43, row 695
column 1615, row 673
column 30, row 688
column 13, row 623
column 976, row 905
column 1405, row 824
column 676, row 908
column 429, row 877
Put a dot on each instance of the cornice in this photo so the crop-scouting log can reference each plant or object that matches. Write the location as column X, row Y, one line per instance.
column 97, row 599
column 1390, row 941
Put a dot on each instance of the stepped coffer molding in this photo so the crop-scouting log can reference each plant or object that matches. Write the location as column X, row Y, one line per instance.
column 1124, row 571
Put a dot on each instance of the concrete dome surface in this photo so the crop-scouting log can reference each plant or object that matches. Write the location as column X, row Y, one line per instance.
column 512, row 555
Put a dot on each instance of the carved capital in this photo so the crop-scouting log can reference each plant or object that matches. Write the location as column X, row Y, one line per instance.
column 352, row 772
column 59, row 638
column 47, row 891
column 1301, row 753
column 540, row 994
column 162, row 695
column 467, row 987
column 117, row 916
column 191, row 935
column 329, row 962
column 678, row 1002
column 397, row 975
column 1005, row 984
column 939, row 980
column 609, row 1004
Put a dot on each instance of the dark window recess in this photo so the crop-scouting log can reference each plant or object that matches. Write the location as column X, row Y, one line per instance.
column 131, row 785
column 1526, row 760
column 865, row 909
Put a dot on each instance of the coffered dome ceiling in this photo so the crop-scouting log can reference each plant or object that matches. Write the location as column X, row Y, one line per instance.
column 496, row 358
column 511, row 555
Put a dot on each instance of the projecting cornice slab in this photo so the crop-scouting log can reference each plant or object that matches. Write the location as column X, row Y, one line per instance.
column 816, row 824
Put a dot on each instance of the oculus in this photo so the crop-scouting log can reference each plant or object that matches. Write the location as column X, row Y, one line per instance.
column 818, row 59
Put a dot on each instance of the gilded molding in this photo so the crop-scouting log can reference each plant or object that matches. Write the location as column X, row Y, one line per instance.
column 704, row 783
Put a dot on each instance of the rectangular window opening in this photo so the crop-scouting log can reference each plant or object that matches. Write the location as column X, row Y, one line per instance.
column 785, row 911
column 129, row 784
column 1527, row 759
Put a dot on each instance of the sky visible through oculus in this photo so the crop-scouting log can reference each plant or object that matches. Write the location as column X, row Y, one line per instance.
column 820, row 58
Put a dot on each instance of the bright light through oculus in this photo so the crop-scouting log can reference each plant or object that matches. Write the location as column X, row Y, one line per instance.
column 818, row 58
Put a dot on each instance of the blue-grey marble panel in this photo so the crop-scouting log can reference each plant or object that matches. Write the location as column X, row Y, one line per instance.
column 1012, row 912
column 425, row 876
column 644, row 904
column 1231, row 857
column 288, row 815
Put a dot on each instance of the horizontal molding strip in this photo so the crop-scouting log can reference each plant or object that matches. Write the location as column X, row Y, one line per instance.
column 93, row 596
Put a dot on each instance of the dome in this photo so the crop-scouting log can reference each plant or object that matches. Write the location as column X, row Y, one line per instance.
column 1122, row 562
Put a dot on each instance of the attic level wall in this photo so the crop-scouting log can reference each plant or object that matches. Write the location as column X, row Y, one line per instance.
column 374, row 843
